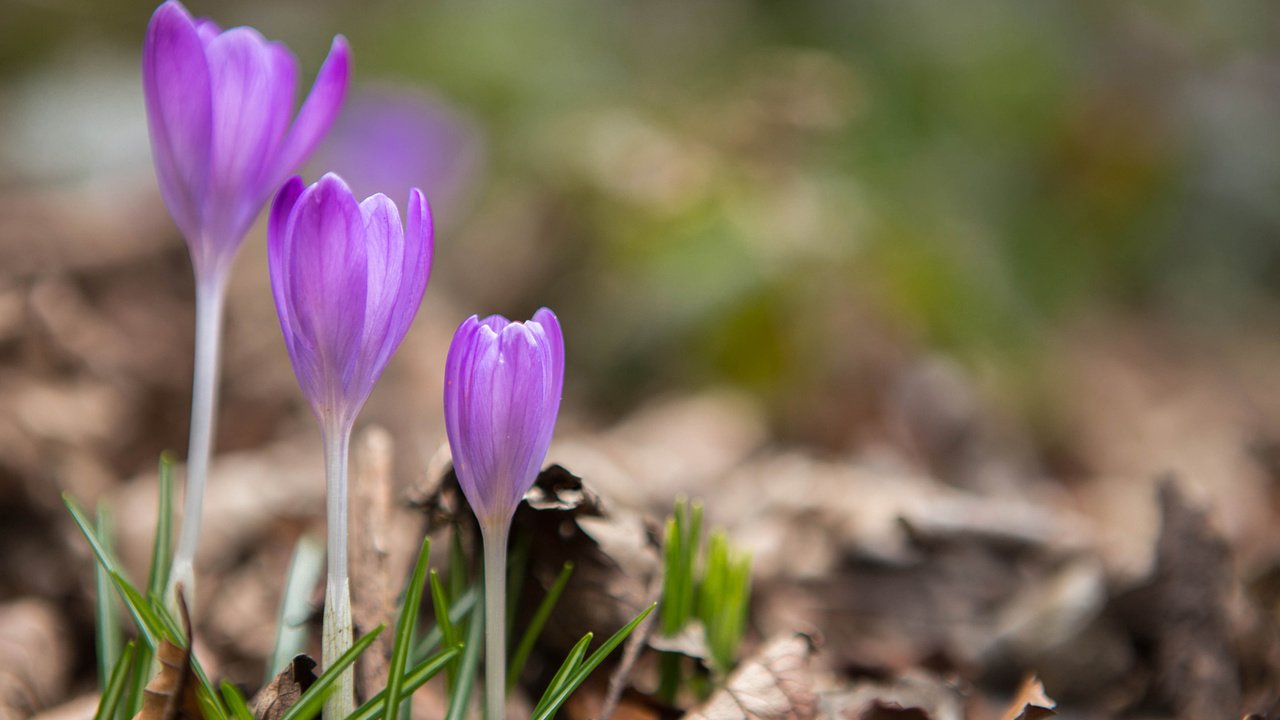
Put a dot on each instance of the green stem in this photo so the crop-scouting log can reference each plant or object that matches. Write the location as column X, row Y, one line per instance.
column 495, row 611
column 337, row 637
column 210, row 301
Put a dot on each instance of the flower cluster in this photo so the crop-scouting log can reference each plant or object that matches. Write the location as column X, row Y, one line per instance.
column 347, row 277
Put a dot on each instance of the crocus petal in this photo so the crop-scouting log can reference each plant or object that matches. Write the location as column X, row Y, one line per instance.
column 328, row 285
column 502, row 392
column 175, row 78
column 384, row 240
column 317, row 113
column 253, row 81
column 415, row 272
column 278, row 257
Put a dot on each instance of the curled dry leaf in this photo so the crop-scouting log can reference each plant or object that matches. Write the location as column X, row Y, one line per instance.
column 1030, row 702
column 283, row 692
column 171, row 694
column 35, row 657
column 912, row 696
column 774, row 683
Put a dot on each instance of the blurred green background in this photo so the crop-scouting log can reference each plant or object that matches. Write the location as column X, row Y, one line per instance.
column 790, row 197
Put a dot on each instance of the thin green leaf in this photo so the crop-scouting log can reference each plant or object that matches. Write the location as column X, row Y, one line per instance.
column 448, row 631
column 107, row 626
column 457, row 578
column 312, row 700
column 590, row 664
column 404, row 632
column 87, row 529
column 114, row 689
column 536, row 624
column 460, row 697
column 458, row 610
column 235, row 701
column 567, row 668
column 149, row 626
column 305, row 569
column 140, row 675
column 162, row 546
column 416, row 678
column 517, row 569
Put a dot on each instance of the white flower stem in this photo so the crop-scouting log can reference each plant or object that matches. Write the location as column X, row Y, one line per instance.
column 495, row 619
column 337, row 596
column 210, row 300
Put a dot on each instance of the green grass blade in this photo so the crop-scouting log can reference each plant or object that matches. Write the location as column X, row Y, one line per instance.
column 448, row 631
column 305, row 569
column 440, row 603
column 87, row 529
column 404, row 633
column 590, row 664
column 536, row 624
column 416, row 678
column 113, row 690
column 140, row 675
column 460, row 697
column 567, row 668
column 162, row 546
column 458, row 610
column 107, row 625
column 517, row 569
column 457, row 578
column 311, row 702
column 235, row 702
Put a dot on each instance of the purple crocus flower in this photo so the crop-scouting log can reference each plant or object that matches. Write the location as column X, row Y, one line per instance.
column 223, row 137
column 502, row 392
column 502, row 385
column 348, row 280
column 219, row 105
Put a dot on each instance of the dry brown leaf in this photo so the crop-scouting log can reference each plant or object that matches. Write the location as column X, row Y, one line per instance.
column 1198, row 665
column 171, row 694
column 35, row 657
column 910, row 697
column 282, row 693
column 371, row 596
column 774, row 683
column 1030, row 702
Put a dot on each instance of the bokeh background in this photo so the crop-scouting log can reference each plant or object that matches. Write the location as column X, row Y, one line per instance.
column 1016, row 248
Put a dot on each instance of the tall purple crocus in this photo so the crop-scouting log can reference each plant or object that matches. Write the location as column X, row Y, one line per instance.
column 220, row 108
column 502, row 389
column 348, row 280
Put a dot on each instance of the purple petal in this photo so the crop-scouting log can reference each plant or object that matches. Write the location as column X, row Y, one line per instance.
column 328, row 284
column 318, row 111
column 176, row 83
column 385, row 247
column 252, row 83
column 278, row 257
column 415, row 269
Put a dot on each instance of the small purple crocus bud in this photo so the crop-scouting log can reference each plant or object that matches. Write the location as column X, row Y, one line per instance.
column 219, row 107
column 348, row 280
column 501, row 395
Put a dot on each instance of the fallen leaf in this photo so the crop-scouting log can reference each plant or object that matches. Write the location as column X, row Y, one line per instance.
column 171, row 694
column 1199, row 669
column 1030, row 702
column 773, row 683
column 35, row 657
column 912, row 696
column 282, row 693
